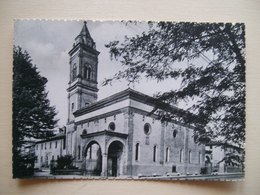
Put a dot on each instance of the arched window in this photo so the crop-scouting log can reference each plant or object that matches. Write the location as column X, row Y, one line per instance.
column 154, row 153
column 190, row 156
column 112, row 126
column 79, row 152
column 174, row 133
column 147, row 129
column 137, row 148
column 74, row 72
column 181, row 155
column 87, row 72
column 84, row 132
column 167, row 155
column 84, row 72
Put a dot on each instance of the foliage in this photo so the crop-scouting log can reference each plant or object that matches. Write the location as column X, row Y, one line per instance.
column 23, row 164
column 65, row 162
column 33, row 117
column 209, row 60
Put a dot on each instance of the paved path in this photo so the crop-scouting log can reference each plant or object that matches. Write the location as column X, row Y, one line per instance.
column 225, row 176
column 42, row 173
column 45, row 174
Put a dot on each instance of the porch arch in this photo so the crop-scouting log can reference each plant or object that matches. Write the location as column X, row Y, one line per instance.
column 115, row 158
column 92, row 154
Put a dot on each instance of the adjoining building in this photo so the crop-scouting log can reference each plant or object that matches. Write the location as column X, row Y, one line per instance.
column 117, row 136
column 49, row 150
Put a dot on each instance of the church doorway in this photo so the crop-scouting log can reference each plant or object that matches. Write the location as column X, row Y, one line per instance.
column 115, row 162
column 93, row 159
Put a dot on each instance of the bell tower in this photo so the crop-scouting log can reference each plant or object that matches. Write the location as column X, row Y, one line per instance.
column 82, row 89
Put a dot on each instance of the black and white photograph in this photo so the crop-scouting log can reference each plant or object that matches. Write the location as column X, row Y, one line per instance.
column 138, row 100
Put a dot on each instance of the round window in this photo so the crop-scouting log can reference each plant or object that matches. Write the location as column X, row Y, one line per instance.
column 111, row 126
column 147, row 128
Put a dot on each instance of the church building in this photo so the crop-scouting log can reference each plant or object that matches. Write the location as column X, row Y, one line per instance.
column 117, row 136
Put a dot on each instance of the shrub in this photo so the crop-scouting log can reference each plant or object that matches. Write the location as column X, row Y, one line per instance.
column 65, row 162
column 203, row 170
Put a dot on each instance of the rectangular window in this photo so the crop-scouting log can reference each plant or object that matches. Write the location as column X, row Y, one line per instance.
column 50, row 145
column 36, row 147
column 45, row 146
column 199, row 157
column 41, row 159
column 72, row 106
column 52, row 158
column 42, row 146
column 174, row 169
column 56, row 144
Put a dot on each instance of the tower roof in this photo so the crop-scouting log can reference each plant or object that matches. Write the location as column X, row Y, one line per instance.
column 84, row 31
column 84, row 40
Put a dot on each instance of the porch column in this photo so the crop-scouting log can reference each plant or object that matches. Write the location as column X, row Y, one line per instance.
column 104, row 165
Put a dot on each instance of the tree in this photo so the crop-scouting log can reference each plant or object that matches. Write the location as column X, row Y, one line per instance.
column 33, row 117
column 212, row 77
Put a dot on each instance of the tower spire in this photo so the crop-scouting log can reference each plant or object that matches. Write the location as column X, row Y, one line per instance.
column 84, row 31
column 85, row 38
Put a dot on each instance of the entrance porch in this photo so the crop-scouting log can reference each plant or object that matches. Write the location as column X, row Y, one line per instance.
column 104, row 153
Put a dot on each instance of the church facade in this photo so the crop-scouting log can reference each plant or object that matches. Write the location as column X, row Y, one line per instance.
column 117, row 136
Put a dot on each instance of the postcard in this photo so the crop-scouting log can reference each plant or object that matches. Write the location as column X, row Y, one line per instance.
column 128, row 100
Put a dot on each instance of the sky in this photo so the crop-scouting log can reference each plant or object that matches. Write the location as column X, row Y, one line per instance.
column 48, row 44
